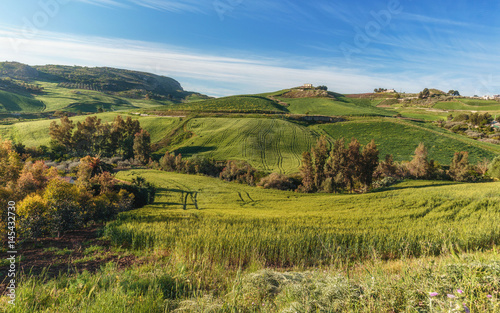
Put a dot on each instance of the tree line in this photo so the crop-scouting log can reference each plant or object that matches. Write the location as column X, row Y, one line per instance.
column 93, row 137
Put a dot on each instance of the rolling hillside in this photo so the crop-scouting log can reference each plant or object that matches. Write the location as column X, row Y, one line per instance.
column 400, row 138
column 244, row 104
column 76, row 88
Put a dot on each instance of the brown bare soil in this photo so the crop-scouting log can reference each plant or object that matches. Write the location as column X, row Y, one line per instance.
column 67, row 255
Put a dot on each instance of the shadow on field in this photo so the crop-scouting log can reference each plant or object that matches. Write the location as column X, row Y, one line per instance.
column 392, row 188
column 192, row 150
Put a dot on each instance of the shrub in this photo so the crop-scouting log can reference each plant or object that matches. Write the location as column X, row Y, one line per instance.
column 277, row 181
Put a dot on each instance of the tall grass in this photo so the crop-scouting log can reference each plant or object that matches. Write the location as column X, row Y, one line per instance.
column 285, row 229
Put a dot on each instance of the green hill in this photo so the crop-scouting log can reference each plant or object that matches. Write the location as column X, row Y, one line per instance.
column 333, row 106
column 400, row 138
column 246, row 104
column 76, row 88
column 11, row 102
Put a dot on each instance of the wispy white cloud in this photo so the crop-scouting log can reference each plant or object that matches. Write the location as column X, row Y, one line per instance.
column 173, row 6
column 216, row 75
column 105, row 3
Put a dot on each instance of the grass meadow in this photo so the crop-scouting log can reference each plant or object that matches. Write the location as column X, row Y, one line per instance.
column 421, row 246
column 400, row 138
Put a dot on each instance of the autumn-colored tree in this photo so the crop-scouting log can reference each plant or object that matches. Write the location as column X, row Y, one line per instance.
column 90, row 167
column 63, row 205
column 33, row 178
column 386, row 168
column 33, row 216
column 419, row 166
column 142, row 146
column 10, row 164
column 307, row 173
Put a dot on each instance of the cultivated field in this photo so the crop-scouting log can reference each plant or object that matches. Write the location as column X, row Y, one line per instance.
column 400, row 138
column 238, row 225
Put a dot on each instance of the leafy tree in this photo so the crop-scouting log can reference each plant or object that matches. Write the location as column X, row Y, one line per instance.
column 320, row 155
column 64, row 209
column 336, row 167
column 33, row 178
column 353, row 163
column 369, row 162
column 386, row 168
column 10, row 164
column 130, row 128
column 33, row 216
column 62, row 134
column 85, row 135
column 419, row 166
column 460, row 168
column 494, row 168
column 142, row 146
column 167, row 162
column 307, row 173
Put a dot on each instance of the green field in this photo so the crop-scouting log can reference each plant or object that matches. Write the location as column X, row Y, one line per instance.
column 230, row 104
column 36, row 133
column 11, row 102
column 287, row 229
column 252, row 250
column 400, row 138
column 469, row 105
column 326, row 106
column 268, row 144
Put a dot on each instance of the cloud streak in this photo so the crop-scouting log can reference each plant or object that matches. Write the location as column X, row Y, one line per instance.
column 220, row 76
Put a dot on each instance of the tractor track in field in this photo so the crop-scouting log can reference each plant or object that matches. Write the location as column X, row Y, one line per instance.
column 277, row 140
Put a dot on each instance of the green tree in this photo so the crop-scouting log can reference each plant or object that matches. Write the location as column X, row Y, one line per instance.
column 460, row 169
column 353, row 163
column 62, row 134
column 307, row 173
column 320, row 155
column 369, row 162
column 494, row 168
column 142, row 146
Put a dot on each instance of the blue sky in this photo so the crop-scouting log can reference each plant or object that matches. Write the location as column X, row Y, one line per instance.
column 224, row 47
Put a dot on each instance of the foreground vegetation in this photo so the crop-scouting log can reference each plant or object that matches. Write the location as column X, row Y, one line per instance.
column 253, row 250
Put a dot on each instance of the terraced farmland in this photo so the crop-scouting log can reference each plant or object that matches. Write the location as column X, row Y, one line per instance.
column 400, row 138
column 268, row 144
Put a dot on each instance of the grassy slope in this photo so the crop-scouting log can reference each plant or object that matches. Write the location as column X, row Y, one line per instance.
column 228, row 104
column 291, row 228
column 35, row 133
column 469, row 105
column 326, row 106
column 400, row 138
column 11, row 102
column 268, row 144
